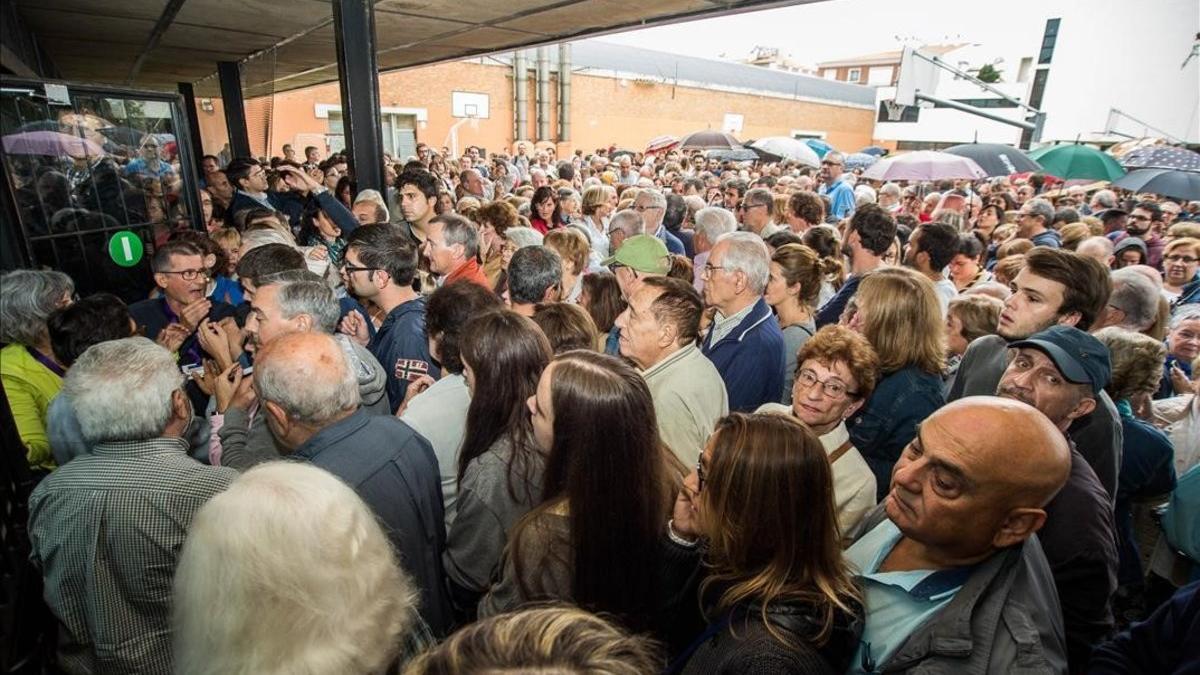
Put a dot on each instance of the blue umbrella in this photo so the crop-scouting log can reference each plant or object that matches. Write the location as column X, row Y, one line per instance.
column 859, row 160
column 874, row 150
column 819, row 146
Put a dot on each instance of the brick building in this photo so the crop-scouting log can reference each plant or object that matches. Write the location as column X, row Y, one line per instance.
column 617, row 94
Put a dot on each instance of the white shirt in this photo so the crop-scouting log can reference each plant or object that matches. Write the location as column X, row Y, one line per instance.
column 946, row 291
column 440, row 415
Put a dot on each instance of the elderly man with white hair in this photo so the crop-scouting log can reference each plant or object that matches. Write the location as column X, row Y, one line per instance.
column 712, row 223
column 1133, row 303
column 889, row 197
column 623, row 225
column 652, row 205
column 106, row 528
column 1100, row 248
column 744, row 342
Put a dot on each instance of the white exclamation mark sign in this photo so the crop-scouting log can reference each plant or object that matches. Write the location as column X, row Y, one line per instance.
column 128, row 250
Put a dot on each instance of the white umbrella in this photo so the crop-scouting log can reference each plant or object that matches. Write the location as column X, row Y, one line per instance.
column 788, row 148
column 924, row 165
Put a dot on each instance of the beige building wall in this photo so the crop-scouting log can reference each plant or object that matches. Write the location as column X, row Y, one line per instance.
column 604, row 111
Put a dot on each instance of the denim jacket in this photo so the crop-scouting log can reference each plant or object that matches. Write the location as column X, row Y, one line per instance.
column 881, row 429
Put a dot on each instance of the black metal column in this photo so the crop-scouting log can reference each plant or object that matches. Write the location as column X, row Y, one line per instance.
column 193, row 122
column 230, row 74
column 358, row 77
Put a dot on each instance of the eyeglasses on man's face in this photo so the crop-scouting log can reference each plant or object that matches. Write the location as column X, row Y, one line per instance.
column 351, row 269
column 188, row 275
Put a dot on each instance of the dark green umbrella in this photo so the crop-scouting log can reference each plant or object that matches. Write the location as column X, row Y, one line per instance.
column 1075, row 161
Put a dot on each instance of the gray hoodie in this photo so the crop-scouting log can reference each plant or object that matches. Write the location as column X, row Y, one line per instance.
column 246, row 442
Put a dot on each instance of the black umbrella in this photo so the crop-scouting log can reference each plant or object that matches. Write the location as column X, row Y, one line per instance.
column 1165, row 182
column 733, row 155
column 708, row 140
column 995, row 158
column 1162, row 157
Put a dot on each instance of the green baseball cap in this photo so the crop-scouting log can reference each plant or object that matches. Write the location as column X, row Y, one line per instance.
column 642, row 253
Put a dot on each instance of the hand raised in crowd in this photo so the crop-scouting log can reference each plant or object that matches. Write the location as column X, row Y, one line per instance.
column 172, row 337
column 206, row 377
column 1180, row 382
column 353, row 325
column 319, row 252
column 297, row 179
column 234, row 334
column 414, row 389
column 194, row 313
column 234, row 390
column 683, row 516
column 215, row 342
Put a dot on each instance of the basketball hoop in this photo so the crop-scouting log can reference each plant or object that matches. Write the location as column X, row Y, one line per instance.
column 895, row 111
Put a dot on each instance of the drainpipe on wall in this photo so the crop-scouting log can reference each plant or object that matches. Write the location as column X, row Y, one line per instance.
column 520, row 96
column 564, row 92
column 543, row 94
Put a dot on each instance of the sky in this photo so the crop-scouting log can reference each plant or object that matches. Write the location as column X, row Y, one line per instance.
column 824, row 31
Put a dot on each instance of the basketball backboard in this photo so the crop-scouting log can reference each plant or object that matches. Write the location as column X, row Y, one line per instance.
column 918, row 74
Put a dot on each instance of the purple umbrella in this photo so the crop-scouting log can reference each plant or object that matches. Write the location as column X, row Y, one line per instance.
column 51, row 143
column 924, row 165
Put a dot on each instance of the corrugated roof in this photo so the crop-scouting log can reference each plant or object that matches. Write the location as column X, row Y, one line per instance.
column 694, row 71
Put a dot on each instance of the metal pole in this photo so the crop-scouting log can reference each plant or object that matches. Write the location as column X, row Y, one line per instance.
column 974, row 80
column 564, row 92
column 230, row 74
column 543, row 94
column 521, row 92
column 358, row 77
column 193, row 120
column 946, row 103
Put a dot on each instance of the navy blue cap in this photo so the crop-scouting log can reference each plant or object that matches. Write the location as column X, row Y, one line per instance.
column 1081, row 358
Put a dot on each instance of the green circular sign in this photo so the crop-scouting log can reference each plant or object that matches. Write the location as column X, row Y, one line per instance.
column 125, row 248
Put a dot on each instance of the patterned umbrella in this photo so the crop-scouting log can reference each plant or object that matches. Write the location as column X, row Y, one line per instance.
column 1165, row 182
column 995, row 158
column 820, row 147
column 1162, row 157
column 1077, row 161
column 709, row 140
column 860, row 160
column 733, row 154
column 924, row 165
column 661, row 143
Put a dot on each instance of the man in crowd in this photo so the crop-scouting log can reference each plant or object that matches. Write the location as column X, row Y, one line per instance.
column 1060, row 371
column 309, row 395
column 622, row 226
column 626, row 175
column 472, row 183
column 418, row 194
column 249, row 178
column 217, row 184
column 745, row 342
column 889, row 197
column 1133, row 303
column 732, row 192
column 652, row 206
column 180, row 274
column 1144, row 223
column 835, row 186
column 380, row 267
column 712, row 223
column 953, row 578
column 534, row 276
column 1034, row 223
column 312, row 157
column 1099, row 248
column 872, row 230
column 805, row 210
column 294, row 301
column 1054, row 288
column 658, row 331
column 107, row 527
column 452, row 249
column 758, row 213
column 930, row 248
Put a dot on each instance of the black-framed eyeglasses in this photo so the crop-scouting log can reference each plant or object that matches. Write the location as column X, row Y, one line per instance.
column 827, row 163
column 351, row 269
column 188, row 275
column 832, row 388
column 1185, row 259
column 1139, row 218
column 642, row 207
column 709, row 269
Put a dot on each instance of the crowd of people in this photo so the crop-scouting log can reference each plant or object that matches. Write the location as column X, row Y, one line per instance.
column 621, row 413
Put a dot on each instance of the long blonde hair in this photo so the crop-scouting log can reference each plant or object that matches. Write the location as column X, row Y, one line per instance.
column 903, row 320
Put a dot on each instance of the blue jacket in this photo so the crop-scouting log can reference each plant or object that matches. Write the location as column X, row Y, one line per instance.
column 750, row 359
column 1147, row 470
column 1164, row 643
column 674, row 244
column 831, row 311
column 1049, row 238
column 886, row 424
column 402, row 349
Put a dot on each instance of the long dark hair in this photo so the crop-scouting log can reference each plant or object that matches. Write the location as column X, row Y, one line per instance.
column 605, row 443
column 540, row 195
column 507, row 354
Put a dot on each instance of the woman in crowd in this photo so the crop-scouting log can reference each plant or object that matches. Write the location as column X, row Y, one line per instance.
column 569, row 204
column 1183, row 347
column 966, row 267
column 1181, row 257
column 31, row 374
column 777, row 593
column 572, row 246
column 500, row 465
column 494, row 219
column 601, row 297
column 598, row 203
column 899, row 314
column 990, row 217
column 824, row 240
column 344, row 604
column 549, row 639
column 581, row 545
column 345, row 191
column 837, row 372
column 544, row 212
column 792, row 289
column 566, row 326
column 230, row 241
column 515, row 238
column 1147, row 468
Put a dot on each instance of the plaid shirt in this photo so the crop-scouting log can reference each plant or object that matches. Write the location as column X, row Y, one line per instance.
column 106, row 531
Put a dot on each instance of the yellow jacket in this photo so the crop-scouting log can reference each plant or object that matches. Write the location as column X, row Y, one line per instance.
column 30, row 386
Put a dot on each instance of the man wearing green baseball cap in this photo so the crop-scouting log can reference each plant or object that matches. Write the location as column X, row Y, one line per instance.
column 641, row 256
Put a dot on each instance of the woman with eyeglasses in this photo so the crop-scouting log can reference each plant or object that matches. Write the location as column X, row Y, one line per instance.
column 777, row 595
column 596, row 539
column 1181, row 257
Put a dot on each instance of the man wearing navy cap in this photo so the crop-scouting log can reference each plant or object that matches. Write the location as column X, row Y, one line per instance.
column 1061, row 371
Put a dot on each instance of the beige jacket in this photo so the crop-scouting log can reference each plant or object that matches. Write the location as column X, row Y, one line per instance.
column 689, row 398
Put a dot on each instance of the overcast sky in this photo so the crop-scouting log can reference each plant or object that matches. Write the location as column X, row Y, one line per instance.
column 823, row 31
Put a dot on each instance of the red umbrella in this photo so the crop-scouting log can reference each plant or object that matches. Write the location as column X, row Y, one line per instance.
column 661, row 144
column 51, row 143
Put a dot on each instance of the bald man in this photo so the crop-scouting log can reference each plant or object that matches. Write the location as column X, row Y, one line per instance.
column 305, row 385
column 949, row 556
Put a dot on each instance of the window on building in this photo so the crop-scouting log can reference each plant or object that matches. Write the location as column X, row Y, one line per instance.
column 1049, row 38
column 1025, row 69
column 854, row 75
column 983, row 103
column 398, row 133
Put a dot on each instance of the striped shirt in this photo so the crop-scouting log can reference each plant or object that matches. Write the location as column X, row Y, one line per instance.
column 106, row 531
